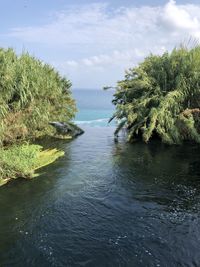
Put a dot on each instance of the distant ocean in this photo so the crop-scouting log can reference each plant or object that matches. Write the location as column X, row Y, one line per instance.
column 94, row 107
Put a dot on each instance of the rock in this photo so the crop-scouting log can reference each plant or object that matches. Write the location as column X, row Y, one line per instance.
column 66, row 128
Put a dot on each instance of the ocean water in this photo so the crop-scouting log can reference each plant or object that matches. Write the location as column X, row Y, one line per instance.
column 94, row 107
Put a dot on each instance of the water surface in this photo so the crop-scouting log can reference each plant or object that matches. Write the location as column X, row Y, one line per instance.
column 94, row 107
column 105, row 204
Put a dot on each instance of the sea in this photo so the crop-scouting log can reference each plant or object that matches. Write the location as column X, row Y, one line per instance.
column 95, row 107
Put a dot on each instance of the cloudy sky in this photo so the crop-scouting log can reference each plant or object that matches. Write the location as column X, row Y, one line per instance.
column 93, row 42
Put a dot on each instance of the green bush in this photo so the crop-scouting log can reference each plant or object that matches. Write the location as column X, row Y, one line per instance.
column 31, row 94
column 161, row 98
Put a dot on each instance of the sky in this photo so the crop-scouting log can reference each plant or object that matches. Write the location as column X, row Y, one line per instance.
column 91, row 42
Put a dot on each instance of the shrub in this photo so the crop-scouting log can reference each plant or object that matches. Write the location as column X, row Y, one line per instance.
column 31, row 94
column 161, row 97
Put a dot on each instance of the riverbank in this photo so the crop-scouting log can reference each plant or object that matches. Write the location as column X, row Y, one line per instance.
column 105, row 204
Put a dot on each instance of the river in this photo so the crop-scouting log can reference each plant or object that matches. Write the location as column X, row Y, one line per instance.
column 105, row 204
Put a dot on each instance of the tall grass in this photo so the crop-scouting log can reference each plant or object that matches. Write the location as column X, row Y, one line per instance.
column 32, row 93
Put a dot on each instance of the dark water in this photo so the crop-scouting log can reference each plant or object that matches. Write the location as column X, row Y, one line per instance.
column 105, row 204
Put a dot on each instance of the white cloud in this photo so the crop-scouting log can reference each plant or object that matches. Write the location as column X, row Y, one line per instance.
column 184, row 18
column 115, row 58
column 98, row 43
column 72, row 63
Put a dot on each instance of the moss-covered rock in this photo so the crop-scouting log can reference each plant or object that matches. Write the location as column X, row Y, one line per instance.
column 67, row 129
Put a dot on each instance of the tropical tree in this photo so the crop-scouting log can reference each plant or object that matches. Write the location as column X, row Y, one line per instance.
column 161, row 98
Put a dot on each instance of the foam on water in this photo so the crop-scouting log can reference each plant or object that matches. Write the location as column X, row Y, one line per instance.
column 98, row 122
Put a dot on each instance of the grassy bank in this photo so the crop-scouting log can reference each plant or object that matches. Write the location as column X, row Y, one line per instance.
column 24, row 161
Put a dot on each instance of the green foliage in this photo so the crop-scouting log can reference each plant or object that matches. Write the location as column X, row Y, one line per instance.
column 161, row 97
column 23, row 160
column 31, row 94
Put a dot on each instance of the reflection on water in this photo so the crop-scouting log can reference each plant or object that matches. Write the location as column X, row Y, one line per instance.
column 105, row 204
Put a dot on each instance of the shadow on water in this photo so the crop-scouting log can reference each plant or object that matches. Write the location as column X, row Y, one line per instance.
column 24, row 201
column 164, row 175
column 105, row 204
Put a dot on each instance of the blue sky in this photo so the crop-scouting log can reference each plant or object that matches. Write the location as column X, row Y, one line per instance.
column 93, row 42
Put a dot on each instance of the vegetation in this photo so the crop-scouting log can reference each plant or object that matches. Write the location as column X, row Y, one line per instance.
column 31, row 95
column 24, row 160
column 161, row 98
